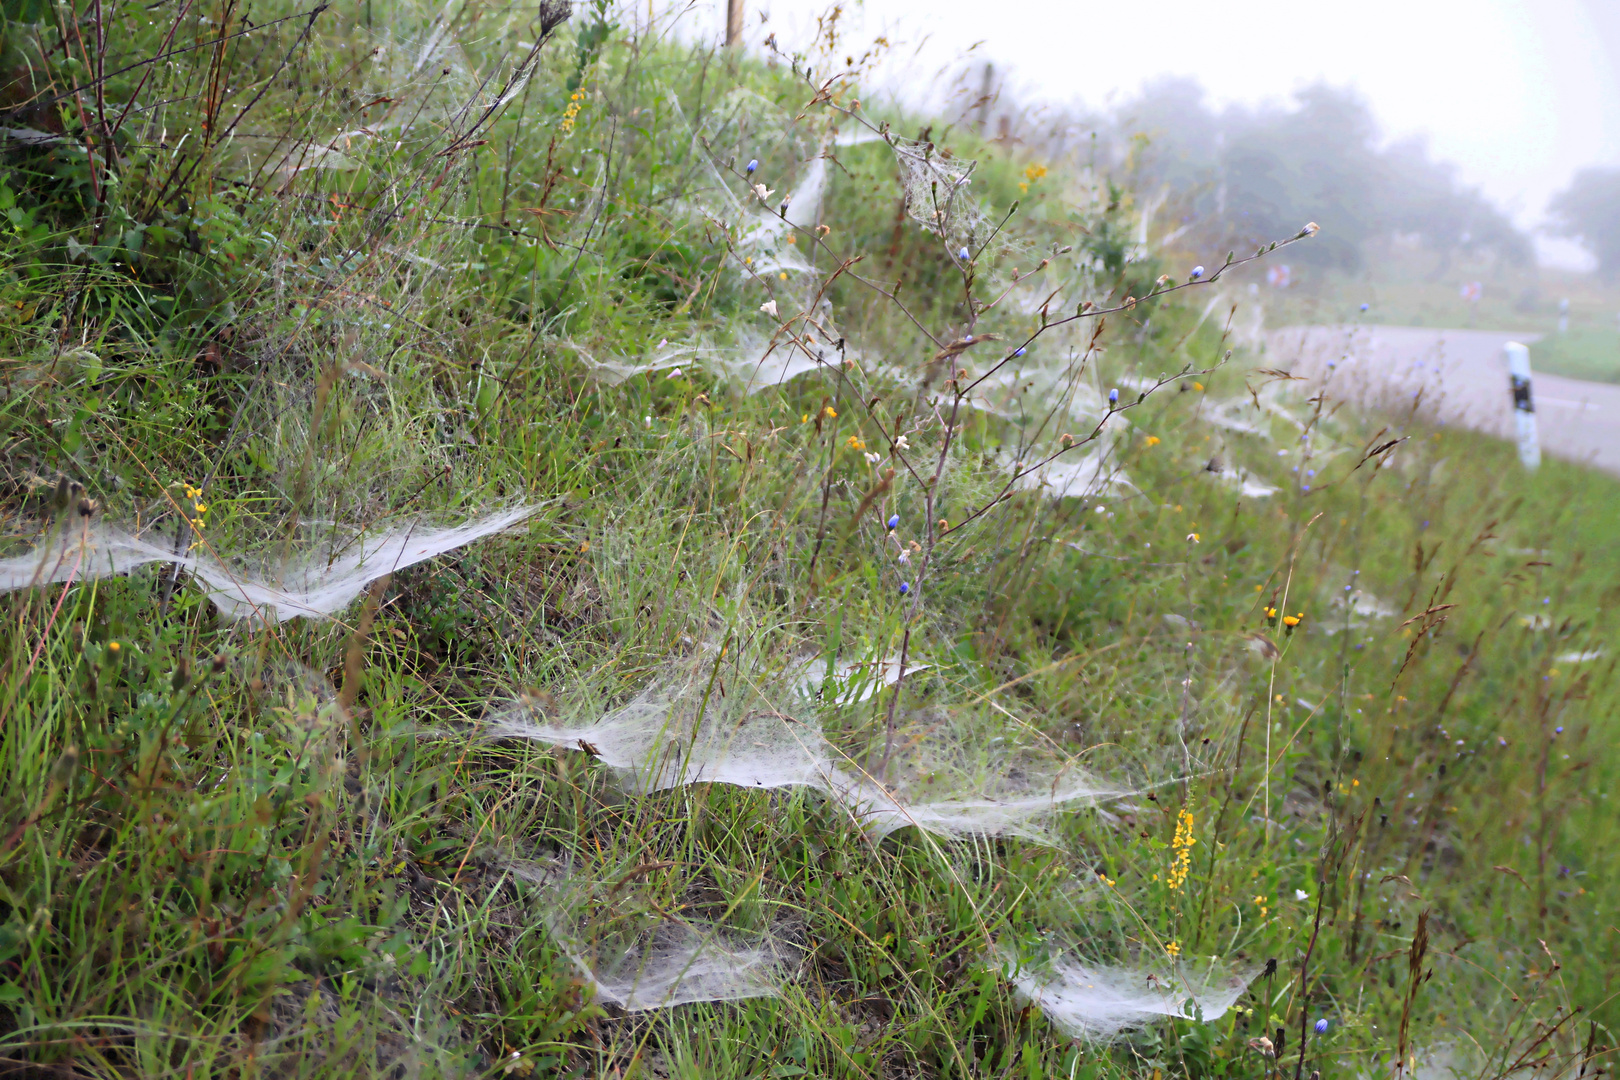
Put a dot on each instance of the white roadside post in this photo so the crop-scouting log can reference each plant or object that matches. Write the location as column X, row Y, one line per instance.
column 1524, row 410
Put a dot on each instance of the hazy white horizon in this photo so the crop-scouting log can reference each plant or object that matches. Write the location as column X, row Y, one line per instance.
column 1518, row 94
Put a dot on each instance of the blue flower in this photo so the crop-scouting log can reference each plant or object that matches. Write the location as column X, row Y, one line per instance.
column 1198, row 272
column 1018, row 352
column 1364, row 307
column 1322, row 1026
column 905, row 587
column 894, row 521
column 967, row 339
column 752, row 165
column 964, row 255
column 1559, row 730
column 1113, row 397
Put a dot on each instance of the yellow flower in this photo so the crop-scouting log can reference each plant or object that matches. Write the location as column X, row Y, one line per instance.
column 1153, row 440
column 1174, row 949
column 1198, row 386
column 782, row 276
column 856, row 444
column 1181, row 846
column 832, row 413
column 1034, row 172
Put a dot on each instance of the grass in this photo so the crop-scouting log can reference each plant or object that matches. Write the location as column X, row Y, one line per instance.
column 293, row 850
column 1583, row 353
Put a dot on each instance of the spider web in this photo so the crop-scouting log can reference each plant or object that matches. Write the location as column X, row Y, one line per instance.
column 936, row 191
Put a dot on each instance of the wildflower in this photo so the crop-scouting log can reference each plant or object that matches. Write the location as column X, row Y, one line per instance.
column 873, row 459
column 832, row 413
column 1301, row 894
column 901, row 443
column 1264, row 905
column 1197, row 272
column 1174, row 949
column 894, row 521
column 903, row 558
column 769, row 308
column 113, row 647
column 674, row 373
column 1311, row 229
column 782, row 275
column 753, row 164
column 855, row 443
column 905, row 587
column 1198, row 386
column 1364, row 307
column 1113, row 397
column 967, row 339
column 1018, row 352
column 1153, row 440
column 1559, row 730
column 1034, row 172
column 964, row 255
column 1193, row 538
column 782, row 209
column 1181, row 845
column 763, row 192
column 1322, row 1026
column 1291, row 621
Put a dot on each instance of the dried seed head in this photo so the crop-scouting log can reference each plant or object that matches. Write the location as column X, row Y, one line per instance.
column 87, row 507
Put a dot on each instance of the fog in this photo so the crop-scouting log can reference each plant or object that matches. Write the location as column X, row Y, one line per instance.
column 1516, row 95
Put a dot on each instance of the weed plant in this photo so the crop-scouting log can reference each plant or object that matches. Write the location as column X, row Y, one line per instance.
column 276, row 278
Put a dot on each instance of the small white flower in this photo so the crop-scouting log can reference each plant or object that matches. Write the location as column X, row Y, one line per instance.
column 873, row 459
column 674, row 373
column 901, row 443
column 647, row 420
column 904, row 557
column 1301, row 894
column 769, row 308
column 762, row 192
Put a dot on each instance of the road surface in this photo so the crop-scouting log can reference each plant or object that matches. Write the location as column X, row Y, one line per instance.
column 1457, row 377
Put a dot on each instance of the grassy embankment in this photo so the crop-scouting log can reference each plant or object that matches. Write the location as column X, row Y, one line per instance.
column 244, row 850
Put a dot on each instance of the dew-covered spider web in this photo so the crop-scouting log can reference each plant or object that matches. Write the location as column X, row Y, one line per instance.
column 936, row 186
column 1098, row 1001
column 638, row 956
column 315, row 583
column 698, row 722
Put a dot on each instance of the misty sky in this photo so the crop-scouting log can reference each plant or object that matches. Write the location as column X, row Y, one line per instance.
column 1518, row 93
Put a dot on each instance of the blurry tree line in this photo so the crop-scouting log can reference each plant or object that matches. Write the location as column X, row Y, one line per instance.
column 1240, row 175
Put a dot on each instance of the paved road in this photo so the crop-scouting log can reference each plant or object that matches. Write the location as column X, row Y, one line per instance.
column 1462, row 378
